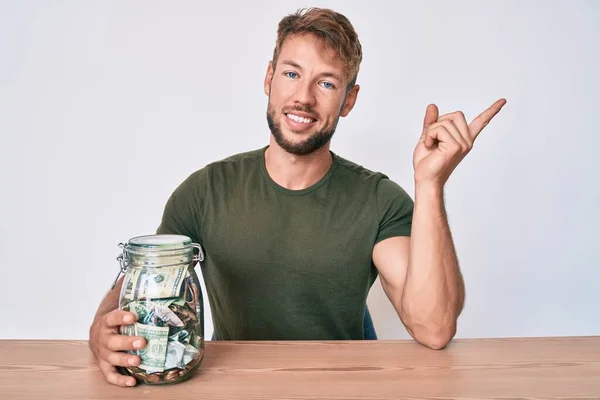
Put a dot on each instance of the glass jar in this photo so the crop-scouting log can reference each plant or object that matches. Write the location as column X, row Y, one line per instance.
column 162, row 289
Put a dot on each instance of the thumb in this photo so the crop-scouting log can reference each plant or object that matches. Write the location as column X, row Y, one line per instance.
column 431, row 116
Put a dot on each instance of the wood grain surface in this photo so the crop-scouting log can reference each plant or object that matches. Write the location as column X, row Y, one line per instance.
column 516, row 368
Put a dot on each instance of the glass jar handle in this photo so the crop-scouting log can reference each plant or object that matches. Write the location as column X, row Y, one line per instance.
column 122, row 267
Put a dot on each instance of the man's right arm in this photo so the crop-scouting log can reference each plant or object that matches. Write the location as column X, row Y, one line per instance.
column 182, row 214
column 108, row 345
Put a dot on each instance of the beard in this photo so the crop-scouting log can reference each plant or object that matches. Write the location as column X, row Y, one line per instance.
column 305, row 147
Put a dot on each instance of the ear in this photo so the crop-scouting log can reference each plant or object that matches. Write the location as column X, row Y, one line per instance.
column 268, row 78
column 350, row 100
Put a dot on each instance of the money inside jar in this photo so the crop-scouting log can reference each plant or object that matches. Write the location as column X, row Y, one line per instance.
column 167, row 302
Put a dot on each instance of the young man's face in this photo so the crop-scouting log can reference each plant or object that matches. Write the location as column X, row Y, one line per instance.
column 307, row 95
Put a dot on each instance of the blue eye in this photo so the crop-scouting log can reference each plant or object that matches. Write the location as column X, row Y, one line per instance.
column 291, row 74
column 328, row 85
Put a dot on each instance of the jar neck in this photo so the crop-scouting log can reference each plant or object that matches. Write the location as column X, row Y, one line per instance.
column 157, row 260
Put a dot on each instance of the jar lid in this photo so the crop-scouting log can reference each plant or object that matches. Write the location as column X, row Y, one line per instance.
column 160, row 242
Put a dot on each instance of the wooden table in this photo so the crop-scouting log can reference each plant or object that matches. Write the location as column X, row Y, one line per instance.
column 532, row 368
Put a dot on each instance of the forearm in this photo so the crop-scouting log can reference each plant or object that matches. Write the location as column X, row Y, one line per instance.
column 433, row 293
column 109, row 303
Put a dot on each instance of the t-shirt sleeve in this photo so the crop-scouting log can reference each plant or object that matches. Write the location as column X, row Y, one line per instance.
column 183, row 211
column 395, row 208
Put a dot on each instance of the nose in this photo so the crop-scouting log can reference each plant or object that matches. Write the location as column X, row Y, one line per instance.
column 305, row 93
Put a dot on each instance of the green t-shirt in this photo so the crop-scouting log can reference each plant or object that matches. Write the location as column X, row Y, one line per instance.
column 287, row 264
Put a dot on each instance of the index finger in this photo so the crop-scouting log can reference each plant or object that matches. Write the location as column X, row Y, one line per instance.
column 481, row 121
column 117, row 318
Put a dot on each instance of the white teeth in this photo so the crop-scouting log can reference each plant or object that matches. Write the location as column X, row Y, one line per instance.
column 299, row 119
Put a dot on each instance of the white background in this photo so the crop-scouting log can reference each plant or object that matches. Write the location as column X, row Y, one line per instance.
column 106, row 106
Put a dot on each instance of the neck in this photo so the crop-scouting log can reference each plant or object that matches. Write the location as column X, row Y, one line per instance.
column 296, row 172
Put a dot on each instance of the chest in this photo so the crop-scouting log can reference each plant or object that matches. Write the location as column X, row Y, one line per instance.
column 285, row 237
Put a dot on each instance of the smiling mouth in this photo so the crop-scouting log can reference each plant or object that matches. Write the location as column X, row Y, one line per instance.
column 299, row 119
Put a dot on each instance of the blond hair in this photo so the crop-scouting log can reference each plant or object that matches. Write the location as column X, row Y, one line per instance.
column 331, row 28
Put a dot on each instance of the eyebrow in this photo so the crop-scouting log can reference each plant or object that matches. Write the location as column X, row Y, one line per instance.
column 325, row 74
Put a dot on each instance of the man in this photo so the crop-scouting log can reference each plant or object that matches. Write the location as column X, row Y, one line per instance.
column 294, row 235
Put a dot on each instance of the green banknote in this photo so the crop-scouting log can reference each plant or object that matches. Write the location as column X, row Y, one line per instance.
column 158, row 283
column 154, row 354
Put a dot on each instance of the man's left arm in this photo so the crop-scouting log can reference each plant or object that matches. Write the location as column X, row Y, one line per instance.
column 421, row 275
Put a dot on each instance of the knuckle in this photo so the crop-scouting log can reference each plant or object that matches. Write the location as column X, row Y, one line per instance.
column 117, row 359
column 442, row 124
column 108, row 371
column 114, row 342
column 102, row 356
column 459, row 114
column 104, row 366
column 104, row 339
column 124, row 342
column 113, row 378
column 115, row 318
column 110, row 319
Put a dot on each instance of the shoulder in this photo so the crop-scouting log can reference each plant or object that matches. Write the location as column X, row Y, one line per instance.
column 235, row 166
column 228, row 166
column 386, row 192
column 357, row 171
column 378, row 181
column 250, row 156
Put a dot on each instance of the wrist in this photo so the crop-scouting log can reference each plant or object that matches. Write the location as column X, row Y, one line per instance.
column 429, row 189
column 429, row 199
